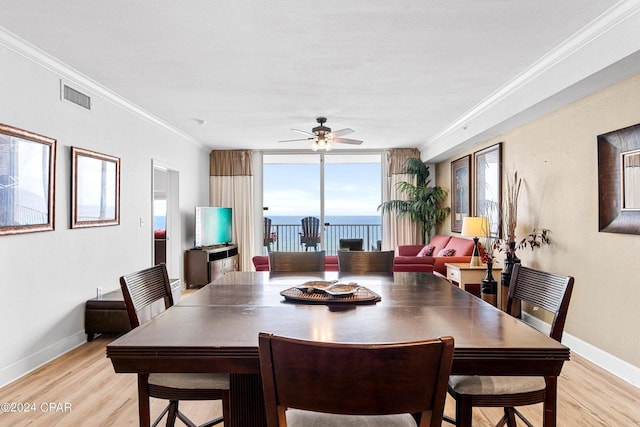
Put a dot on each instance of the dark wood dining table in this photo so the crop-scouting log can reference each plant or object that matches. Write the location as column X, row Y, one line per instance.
column 216, row 330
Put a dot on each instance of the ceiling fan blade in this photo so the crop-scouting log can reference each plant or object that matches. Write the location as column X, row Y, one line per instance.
column 347, row 141
column 342, row 132
column 304, row 132
column 292, row 140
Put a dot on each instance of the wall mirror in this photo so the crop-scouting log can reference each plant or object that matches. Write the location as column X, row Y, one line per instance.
column 488, row 185
column 27, row 181
column 95, row 189
column 619, row 181
column 461, row 200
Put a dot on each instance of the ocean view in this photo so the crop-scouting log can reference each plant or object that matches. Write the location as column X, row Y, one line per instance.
column 331, row 219
column 287, row 229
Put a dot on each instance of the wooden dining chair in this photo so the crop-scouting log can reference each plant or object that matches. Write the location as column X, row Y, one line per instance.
column 142, row 291
column 310, row 236
column 315, row 384
column 281, row 262
column 547, row 291
column 365, row 262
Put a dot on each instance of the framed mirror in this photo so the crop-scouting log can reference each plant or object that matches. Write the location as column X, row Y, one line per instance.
column 488, row 186
column 27, row 181
column 95, row 189
column 461, row 185
column 619, row 181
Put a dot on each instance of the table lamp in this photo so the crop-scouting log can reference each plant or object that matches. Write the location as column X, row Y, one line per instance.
column 476, row 227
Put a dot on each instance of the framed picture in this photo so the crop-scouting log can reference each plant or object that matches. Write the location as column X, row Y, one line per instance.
column 488, row 186
column 619, row 181
column 95, row 189
column 461, row 185
column 27, row 181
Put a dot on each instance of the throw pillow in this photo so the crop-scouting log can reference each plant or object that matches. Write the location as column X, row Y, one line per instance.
column 426, row 251
column 447, row 252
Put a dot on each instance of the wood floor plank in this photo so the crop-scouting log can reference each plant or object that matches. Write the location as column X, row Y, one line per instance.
column 84, row 378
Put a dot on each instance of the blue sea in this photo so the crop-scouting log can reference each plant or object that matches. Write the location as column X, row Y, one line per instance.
column 365, row 227
column 333, row 220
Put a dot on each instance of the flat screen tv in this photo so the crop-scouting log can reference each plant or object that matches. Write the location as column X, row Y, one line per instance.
column 213, row 226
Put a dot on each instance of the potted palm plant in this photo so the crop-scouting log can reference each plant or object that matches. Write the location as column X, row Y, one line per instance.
column 423, row 203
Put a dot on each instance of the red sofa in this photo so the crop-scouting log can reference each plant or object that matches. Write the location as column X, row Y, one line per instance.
column 406, row 258
column 261, row 263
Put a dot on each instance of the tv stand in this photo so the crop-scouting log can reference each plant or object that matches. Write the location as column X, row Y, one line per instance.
column 204, row 265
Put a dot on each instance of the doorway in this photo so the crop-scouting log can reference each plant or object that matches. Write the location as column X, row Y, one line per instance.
column 166, row 219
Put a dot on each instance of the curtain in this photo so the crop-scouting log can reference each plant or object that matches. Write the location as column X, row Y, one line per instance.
column 231, row 185
column 398, row 231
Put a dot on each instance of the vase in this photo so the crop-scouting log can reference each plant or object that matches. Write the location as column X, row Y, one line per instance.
column 488, row 289
column 505, row 276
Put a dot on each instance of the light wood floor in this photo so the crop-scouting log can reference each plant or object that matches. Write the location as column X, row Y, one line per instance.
column 84, row 380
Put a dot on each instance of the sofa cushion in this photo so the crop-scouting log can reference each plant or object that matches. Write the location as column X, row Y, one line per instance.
column 461, row 246
column 439, row 241
column 426, row 251
column 447, row 252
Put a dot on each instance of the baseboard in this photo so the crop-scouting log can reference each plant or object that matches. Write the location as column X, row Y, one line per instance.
column 609, row 362
column 24, row 366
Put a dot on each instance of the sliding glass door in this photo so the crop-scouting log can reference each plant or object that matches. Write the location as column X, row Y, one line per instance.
column 341, row 190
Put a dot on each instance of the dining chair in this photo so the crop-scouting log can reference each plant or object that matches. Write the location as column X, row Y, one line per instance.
column 313, row 384
column 310, row 236
column 143, row 292
column 365, row 262
column 281, row 262
column 544, row 290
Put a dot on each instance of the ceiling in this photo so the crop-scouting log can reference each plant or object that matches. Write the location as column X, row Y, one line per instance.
column 398, row 73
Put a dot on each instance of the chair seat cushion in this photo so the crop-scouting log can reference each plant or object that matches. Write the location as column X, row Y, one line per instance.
column 300, row 418
column 191, row 381
column 476, row 385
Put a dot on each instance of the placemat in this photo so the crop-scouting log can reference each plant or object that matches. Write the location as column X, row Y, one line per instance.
column 361, row 296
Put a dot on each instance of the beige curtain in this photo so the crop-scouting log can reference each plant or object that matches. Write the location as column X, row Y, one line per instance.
column 398, row 231
column 231, row 185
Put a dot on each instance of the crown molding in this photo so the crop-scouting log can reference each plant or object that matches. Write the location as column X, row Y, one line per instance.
column 69, row 74
column 609, row 38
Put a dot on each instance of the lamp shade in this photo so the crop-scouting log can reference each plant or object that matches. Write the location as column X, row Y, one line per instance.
column 475, row 226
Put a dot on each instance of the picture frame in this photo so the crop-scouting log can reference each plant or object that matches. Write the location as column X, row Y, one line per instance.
column 618, row 181
column 27, row 181
column 488, row 186
column 95, row 189
column 461, row 189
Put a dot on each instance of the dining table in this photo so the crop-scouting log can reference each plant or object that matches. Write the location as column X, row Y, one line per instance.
column 216, row 329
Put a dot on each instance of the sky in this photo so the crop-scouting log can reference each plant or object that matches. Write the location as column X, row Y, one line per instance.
column 350, row 189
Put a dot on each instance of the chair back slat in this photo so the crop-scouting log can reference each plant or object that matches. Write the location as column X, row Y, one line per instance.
column 280, row 262
column 548, row 291
column 355, row 379
column 143, row 288
column 365, row 262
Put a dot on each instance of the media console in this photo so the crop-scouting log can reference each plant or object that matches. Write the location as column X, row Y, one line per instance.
column 204, row 265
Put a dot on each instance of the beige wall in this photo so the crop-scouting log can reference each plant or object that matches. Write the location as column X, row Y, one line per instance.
column 556, row 156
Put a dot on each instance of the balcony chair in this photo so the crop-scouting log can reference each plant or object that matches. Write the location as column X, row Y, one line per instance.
column 142, row 291
column 326, row 384
column 282, row 262
column 365, row 262
column 268, row 236
column 310, row 236
column 544, row 290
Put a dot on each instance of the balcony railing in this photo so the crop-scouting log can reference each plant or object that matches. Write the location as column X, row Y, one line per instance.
column 287, row 237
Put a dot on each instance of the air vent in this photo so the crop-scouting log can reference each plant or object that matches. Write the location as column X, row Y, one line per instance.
column 78, row 98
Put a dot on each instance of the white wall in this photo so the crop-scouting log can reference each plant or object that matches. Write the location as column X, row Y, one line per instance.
column 46, row 277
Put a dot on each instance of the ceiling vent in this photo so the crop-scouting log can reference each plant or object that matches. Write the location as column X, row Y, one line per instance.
column 77, row 97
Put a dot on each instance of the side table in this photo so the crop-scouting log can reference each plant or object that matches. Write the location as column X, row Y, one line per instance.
column 464, row 275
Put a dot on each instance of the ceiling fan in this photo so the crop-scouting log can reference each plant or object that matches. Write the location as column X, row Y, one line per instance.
column 323, row 137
